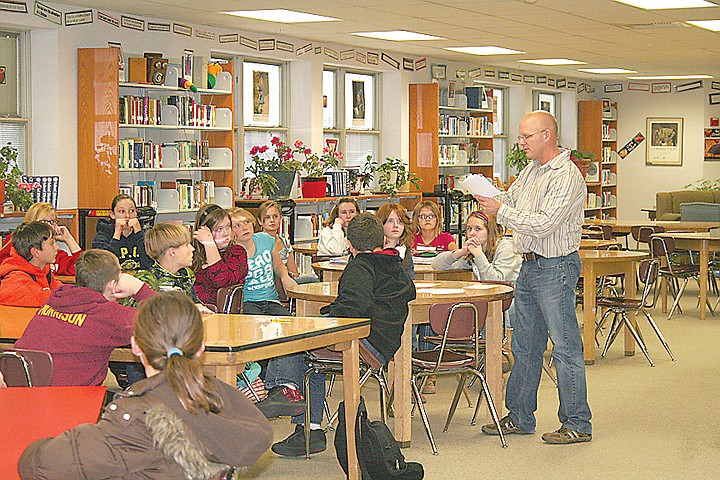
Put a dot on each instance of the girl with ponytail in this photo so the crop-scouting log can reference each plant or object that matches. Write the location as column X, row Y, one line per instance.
column 177, row 423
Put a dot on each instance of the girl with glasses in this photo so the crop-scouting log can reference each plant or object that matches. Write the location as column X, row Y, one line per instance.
column 64, row 262
column 428, row 228
column 217, row 261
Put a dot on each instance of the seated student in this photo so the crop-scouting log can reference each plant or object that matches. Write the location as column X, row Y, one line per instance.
column 123, row 235
column 44, row 212
column 260, row 296
column 25, row 277
column 373, row 285
column 486, row 251
column 168, row 244
column 398, row 229
column 428, row 228
column 178, row 423
column 331, row 240
column 81, row 324
column 217, row 262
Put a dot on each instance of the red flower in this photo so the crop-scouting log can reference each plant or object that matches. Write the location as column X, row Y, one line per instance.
column 298, row 144
column 263, row 149
column 254, row 150
column 275, row 140
column 307, row 151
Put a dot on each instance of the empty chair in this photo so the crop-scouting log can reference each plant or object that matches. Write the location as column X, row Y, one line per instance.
column 459, row 323
column 26, row 368
column 642, row 234
column 663, row 248
column 620, row 306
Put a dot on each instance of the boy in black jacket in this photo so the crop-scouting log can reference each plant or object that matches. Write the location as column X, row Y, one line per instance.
column 373, row 285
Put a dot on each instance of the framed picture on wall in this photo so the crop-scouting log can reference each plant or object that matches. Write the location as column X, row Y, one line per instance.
column 665, row 141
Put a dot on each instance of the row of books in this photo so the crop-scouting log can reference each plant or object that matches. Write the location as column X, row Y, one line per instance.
column 138, row 153
column 192, row 153
column 338, row 182
column 135, row 110
column 191, row 193
column 143, row 192
column 192, row 113
column 608, row 155
column 473, row 126
column 459, row 153
column 608, row 133
column 606, row 199
column 608, row 177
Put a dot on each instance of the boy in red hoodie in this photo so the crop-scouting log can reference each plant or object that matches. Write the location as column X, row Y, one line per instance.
column 81, row 324
column 26, row 278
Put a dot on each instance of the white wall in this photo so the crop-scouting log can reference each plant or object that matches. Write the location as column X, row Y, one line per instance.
column 638, row 183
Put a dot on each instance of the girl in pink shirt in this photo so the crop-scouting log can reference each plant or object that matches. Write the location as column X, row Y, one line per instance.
column 428, row 232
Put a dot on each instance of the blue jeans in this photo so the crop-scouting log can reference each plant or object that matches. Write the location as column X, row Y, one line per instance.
column 545, row 303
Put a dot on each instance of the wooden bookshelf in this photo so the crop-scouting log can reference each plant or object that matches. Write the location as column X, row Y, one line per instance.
column 597, row 133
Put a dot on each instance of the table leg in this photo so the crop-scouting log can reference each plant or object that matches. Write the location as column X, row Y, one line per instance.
column 493, row 356
column 704, row 263
column 351, row 395
column 402, row 372
column 630, row 292
column 589, row 286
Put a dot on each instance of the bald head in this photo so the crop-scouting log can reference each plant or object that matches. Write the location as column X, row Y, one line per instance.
column 538, row 136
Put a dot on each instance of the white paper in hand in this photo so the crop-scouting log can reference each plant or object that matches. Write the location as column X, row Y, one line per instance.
column 478, row 185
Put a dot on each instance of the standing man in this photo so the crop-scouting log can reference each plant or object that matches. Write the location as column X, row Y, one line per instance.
column 544, row 209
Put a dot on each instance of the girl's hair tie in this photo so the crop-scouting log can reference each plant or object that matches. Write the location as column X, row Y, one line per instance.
column 174, row 351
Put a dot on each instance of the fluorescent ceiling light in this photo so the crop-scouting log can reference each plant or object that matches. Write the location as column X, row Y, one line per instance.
column 397, row 35
column 666, row 4
column 713, row 25
column 554, row 61
column 670, row 77
column 484, row 50
column 605, row 70
column 281, row 15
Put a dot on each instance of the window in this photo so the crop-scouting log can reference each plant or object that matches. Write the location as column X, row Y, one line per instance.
column 13, row 121
column 350, row 114
column 262, row 106
column 500, row 138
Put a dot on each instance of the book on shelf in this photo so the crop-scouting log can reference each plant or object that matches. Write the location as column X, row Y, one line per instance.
column 139, row 153
column 200, row 71
column 143, row 192
column 139, row 110
column 44, row 188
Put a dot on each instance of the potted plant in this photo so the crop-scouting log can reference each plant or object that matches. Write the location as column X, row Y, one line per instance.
column 393, row 174
column 581, row 160
column 516, row 158
column 314, row 185
column 274, row 167
column 359, row 177
column 10, row 176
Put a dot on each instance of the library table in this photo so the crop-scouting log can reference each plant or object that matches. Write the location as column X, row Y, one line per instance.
column 698, row 241
column 312, row 296
column 333, row 269
column 29, row 414
column 598, row 263
column 624, row 226
column 233, row 340
column 596, row 243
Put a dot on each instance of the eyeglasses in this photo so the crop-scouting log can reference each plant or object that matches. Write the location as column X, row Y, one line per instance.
column 427, row 216
column 50, row 222
column 525, row 137
column 396, row 221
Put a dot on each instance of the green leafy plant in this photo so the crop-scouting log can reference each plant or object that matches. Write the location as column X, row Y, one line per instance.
column 578, row 155
column 393, row 174
column 318, row 165
column 16, row 191
column 361, row 176
column 703, row 185
column 276, row 156
column 516, row 158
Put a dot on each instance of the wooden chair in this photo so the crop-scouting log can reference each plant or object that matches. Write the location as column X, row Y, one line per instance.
column 26, row 368
column 620, row 306
column 459, row 323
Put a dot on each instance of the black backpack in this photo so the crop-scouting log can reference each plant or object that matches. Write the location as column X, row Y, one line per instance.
column 377, row 450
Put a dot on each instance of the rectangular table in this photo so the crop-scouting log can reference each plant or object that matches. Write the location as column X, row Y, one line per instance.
column 233, row 340
column 29, row 414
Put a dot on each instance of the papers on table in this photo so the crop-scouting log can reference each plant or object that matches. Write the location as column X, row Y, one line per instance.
column 476, row 184
column 339, row 261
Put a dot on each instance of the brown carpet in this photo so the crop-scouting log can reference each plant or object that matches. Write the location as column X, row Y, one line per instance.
column 648, row 423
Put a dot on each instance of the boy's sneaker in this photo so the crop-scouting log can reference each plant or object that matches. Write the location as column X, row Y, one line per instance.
column 282, row 401
column 565, row 436
column 508, row 428
column 294, row 445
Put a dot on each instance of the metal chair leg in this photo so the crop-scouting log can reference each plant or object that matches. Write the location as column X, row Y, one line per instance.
column 491, row 405
column 660, row 335
column 423, row 415
column 676, row 304
column 637, row 338
column 460, row 388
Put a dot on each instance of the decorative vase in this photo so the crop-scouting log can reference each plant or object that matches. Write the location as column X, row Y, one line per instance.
column 313, row 187
column 285, row 181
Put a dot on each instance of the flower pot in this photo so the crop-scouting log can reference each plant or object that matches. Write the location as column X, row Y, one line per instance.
column 582, row 164
column 313, row 187
column 2, row 192
column 285, row 181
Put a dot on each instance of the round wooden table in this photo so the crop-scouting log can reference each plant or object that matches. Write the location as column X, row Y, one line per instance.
column 312, row 296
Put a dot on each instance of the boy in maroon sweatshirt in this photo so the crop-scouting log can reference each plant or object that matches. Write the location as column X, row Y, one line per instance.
column 81, row 324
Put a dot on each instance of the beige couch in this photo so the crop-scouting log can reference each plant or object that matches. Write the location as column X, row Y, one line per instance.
column 667, row 204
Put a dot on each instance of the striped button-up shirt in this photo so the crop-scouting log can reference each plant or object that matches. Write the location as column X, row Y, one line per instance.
column 544, row 207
